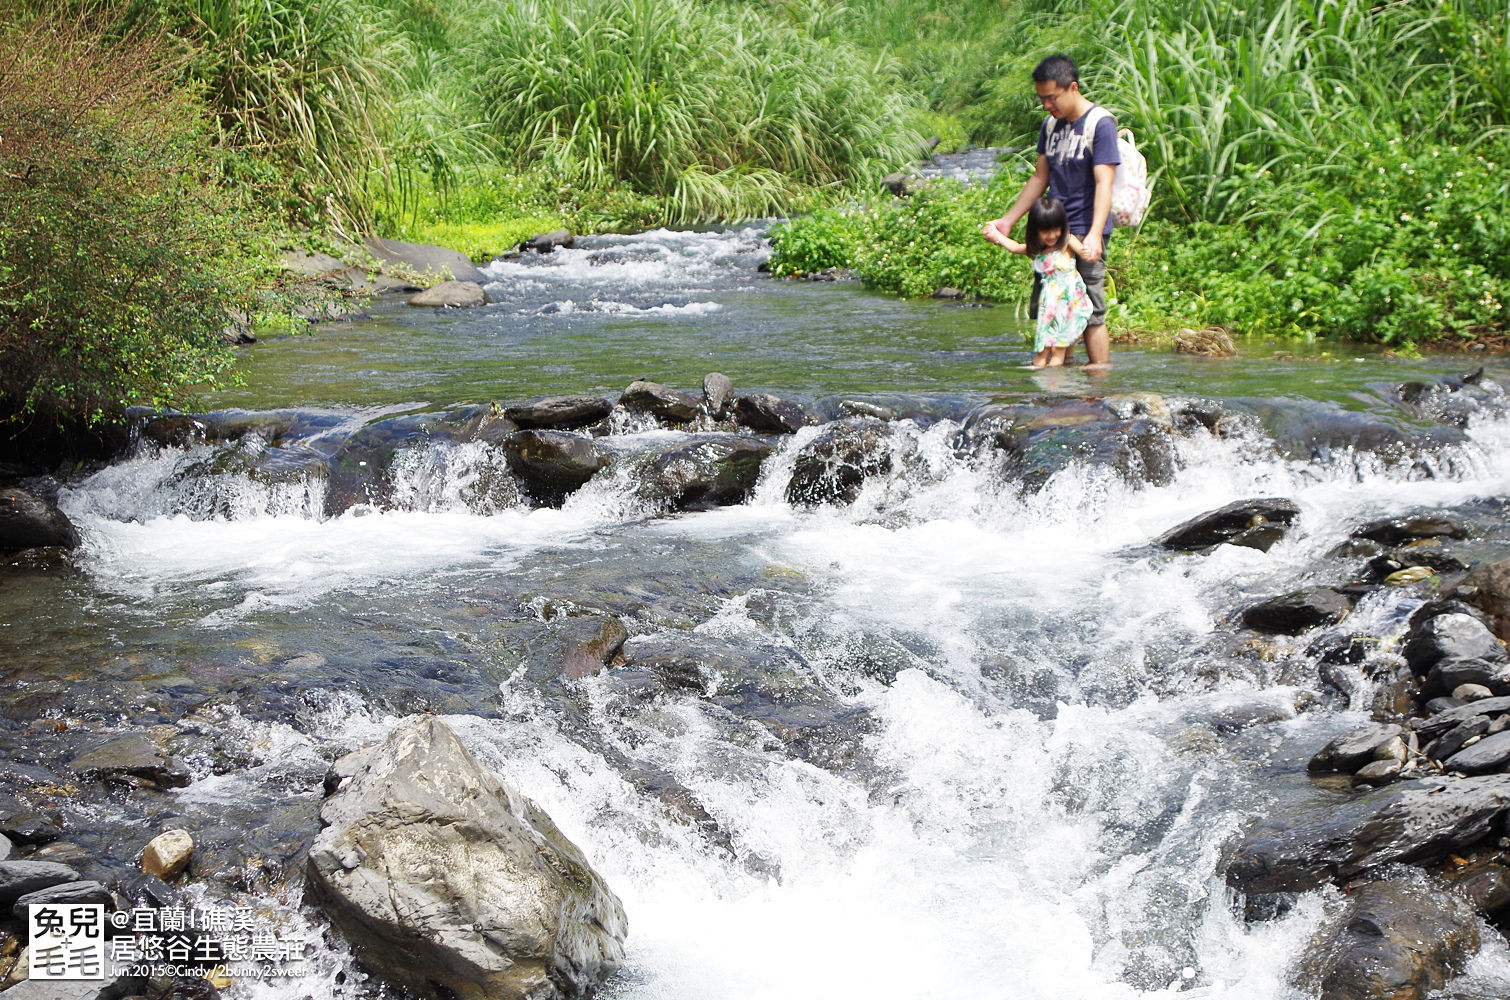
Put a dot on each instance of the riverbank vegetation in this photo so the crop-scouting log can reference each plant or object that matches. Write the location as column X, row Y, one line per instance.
column 1324, row 168
column 1331, row 169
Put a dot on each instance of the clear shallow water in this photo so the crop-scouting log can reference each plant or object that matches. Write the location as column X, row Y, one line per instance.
column 1033, row 773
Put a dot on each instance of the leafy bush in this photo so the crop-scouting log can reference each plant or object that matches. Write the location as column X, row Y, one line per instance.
column 911, row 246
column 123, row 259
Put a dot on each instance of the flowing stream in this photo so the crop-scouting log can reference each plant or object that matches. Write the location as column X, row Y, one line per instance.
column 950, row 740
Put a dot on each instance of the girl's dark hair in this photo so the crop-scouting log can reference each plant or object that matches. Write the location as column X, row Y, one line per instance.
column 1047, row 213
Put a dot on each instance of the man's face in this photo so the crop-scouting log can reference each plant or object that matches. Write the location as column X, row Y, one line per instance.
column 1056, row 100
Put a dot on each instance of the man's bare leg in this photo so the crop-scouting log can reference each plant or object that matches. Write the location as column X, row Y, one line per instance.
column 1098, row 346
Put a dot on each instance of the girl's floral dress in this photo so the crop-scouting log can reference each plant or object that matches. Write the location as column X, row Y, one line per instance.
column 1064, row 308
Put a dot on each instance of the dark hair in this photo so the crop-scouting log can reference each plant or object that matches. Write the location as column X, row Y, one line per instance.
column 1046, row 213
column 1059, row 68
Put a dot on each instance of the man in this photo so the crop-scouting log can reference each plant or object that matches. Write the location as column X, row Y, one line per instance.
column 1079, row 177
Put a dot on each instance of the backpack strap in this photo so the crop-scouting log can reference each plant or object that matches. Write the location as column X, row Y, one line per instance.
column 1092, row 119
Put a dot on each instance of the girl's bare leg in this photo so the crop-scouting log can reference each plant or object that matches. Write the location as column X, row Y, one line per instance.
column 1056, row 356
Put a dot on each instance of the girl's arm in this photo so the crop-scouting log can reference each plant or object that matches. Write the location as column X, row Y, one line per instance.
column 994, row 233
column 1076, row 247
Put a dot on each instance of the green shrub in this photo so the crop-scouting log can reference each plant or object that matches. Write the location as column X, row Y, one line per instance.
column 123, row 257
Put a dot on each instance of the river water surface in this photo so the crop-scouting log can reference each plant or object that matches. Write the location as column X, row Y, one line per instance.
column 1011, row 739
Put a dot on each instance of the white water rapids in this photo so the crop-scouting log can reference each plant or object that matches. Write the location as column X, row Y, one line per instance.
column 1045, row 791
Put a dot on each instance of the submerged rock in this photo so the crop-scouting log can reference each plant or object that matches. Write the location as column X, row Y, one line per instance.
column 1257, row 524
column 1297, row 611
column 833, row 466
column 710, row 470
column 450, row 884
column 553, row 464
column 132, row 758
column 1395, row 940
column 1397, row 530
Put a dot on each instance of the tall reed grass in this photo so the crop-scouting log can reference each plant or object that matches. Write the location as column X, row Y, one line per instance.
column 307, row 82
column 720, row 110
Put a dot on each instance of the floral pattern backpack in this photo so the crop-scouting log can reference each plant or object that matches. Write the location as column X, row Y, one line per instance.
column 1131, row 188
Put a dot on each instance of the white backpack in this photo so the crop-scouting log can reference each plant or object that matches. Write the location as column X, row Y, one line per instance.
column 1131, row 189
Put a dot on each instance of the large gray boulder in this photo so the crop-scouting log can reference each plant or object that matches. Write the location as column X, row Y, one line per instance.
column 451, row 884
column 434, row 264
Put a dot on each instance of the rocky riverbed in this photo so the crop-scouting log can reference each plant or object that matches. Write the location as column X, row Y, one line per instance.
column 1387, row 662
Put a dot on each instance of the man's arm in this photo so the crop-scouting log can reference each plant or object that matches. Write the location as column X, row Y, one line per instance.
column 1105, row 173
column 1033, row 189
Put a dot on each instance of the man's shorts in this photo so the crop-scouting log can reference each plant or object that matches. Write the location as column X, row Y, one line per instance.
column 1094, row 276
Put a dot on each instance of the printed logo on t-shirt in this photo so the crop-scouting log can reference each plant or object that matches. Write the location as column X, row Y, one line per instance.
column 1064, row 143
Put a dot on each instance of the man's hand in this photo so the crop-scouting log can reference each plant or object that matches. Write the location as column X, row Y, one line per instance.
column 1092, row 243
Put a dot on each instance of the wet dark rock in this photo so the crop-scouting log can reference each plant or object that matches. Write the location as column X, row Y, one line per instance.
column 1397, row 530
column 132, row 756
column 143, row 890
column 449, row 883
column 559, row 412
column 1445, row 719
column 1450, row 742
column 28, row 522
column 67, row 892
column 1483, row 878
column 74, row 989
column 1409, row 822
column 548, row 242
column 1489, row 754
column 1243, row 522
column 1451, row 400
column 553, row 464
column 1451, row 674
column 1439, row 561
column 1455, row 649
column 718, row 395
column 17, row 878
column 173, row 430
column 661, row 401
column 451, row 295
column 767, row 414
column 710, row 470
column 1444, row 606
column 1359, row 441
column 1488, row 588
column 32, row 827
column 1038, row 440
column 1295, row 612
column 602, row 642
column 1353, row 749
column 833, row 466
column 1396, row 940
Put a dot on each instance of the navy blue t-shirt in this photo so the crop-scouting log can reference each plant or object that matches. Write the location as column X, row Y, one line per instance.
column 1071, row 177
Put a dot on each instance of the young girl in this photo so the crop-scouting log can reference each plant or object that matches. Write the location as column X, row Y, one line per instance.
column 1064, row 308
